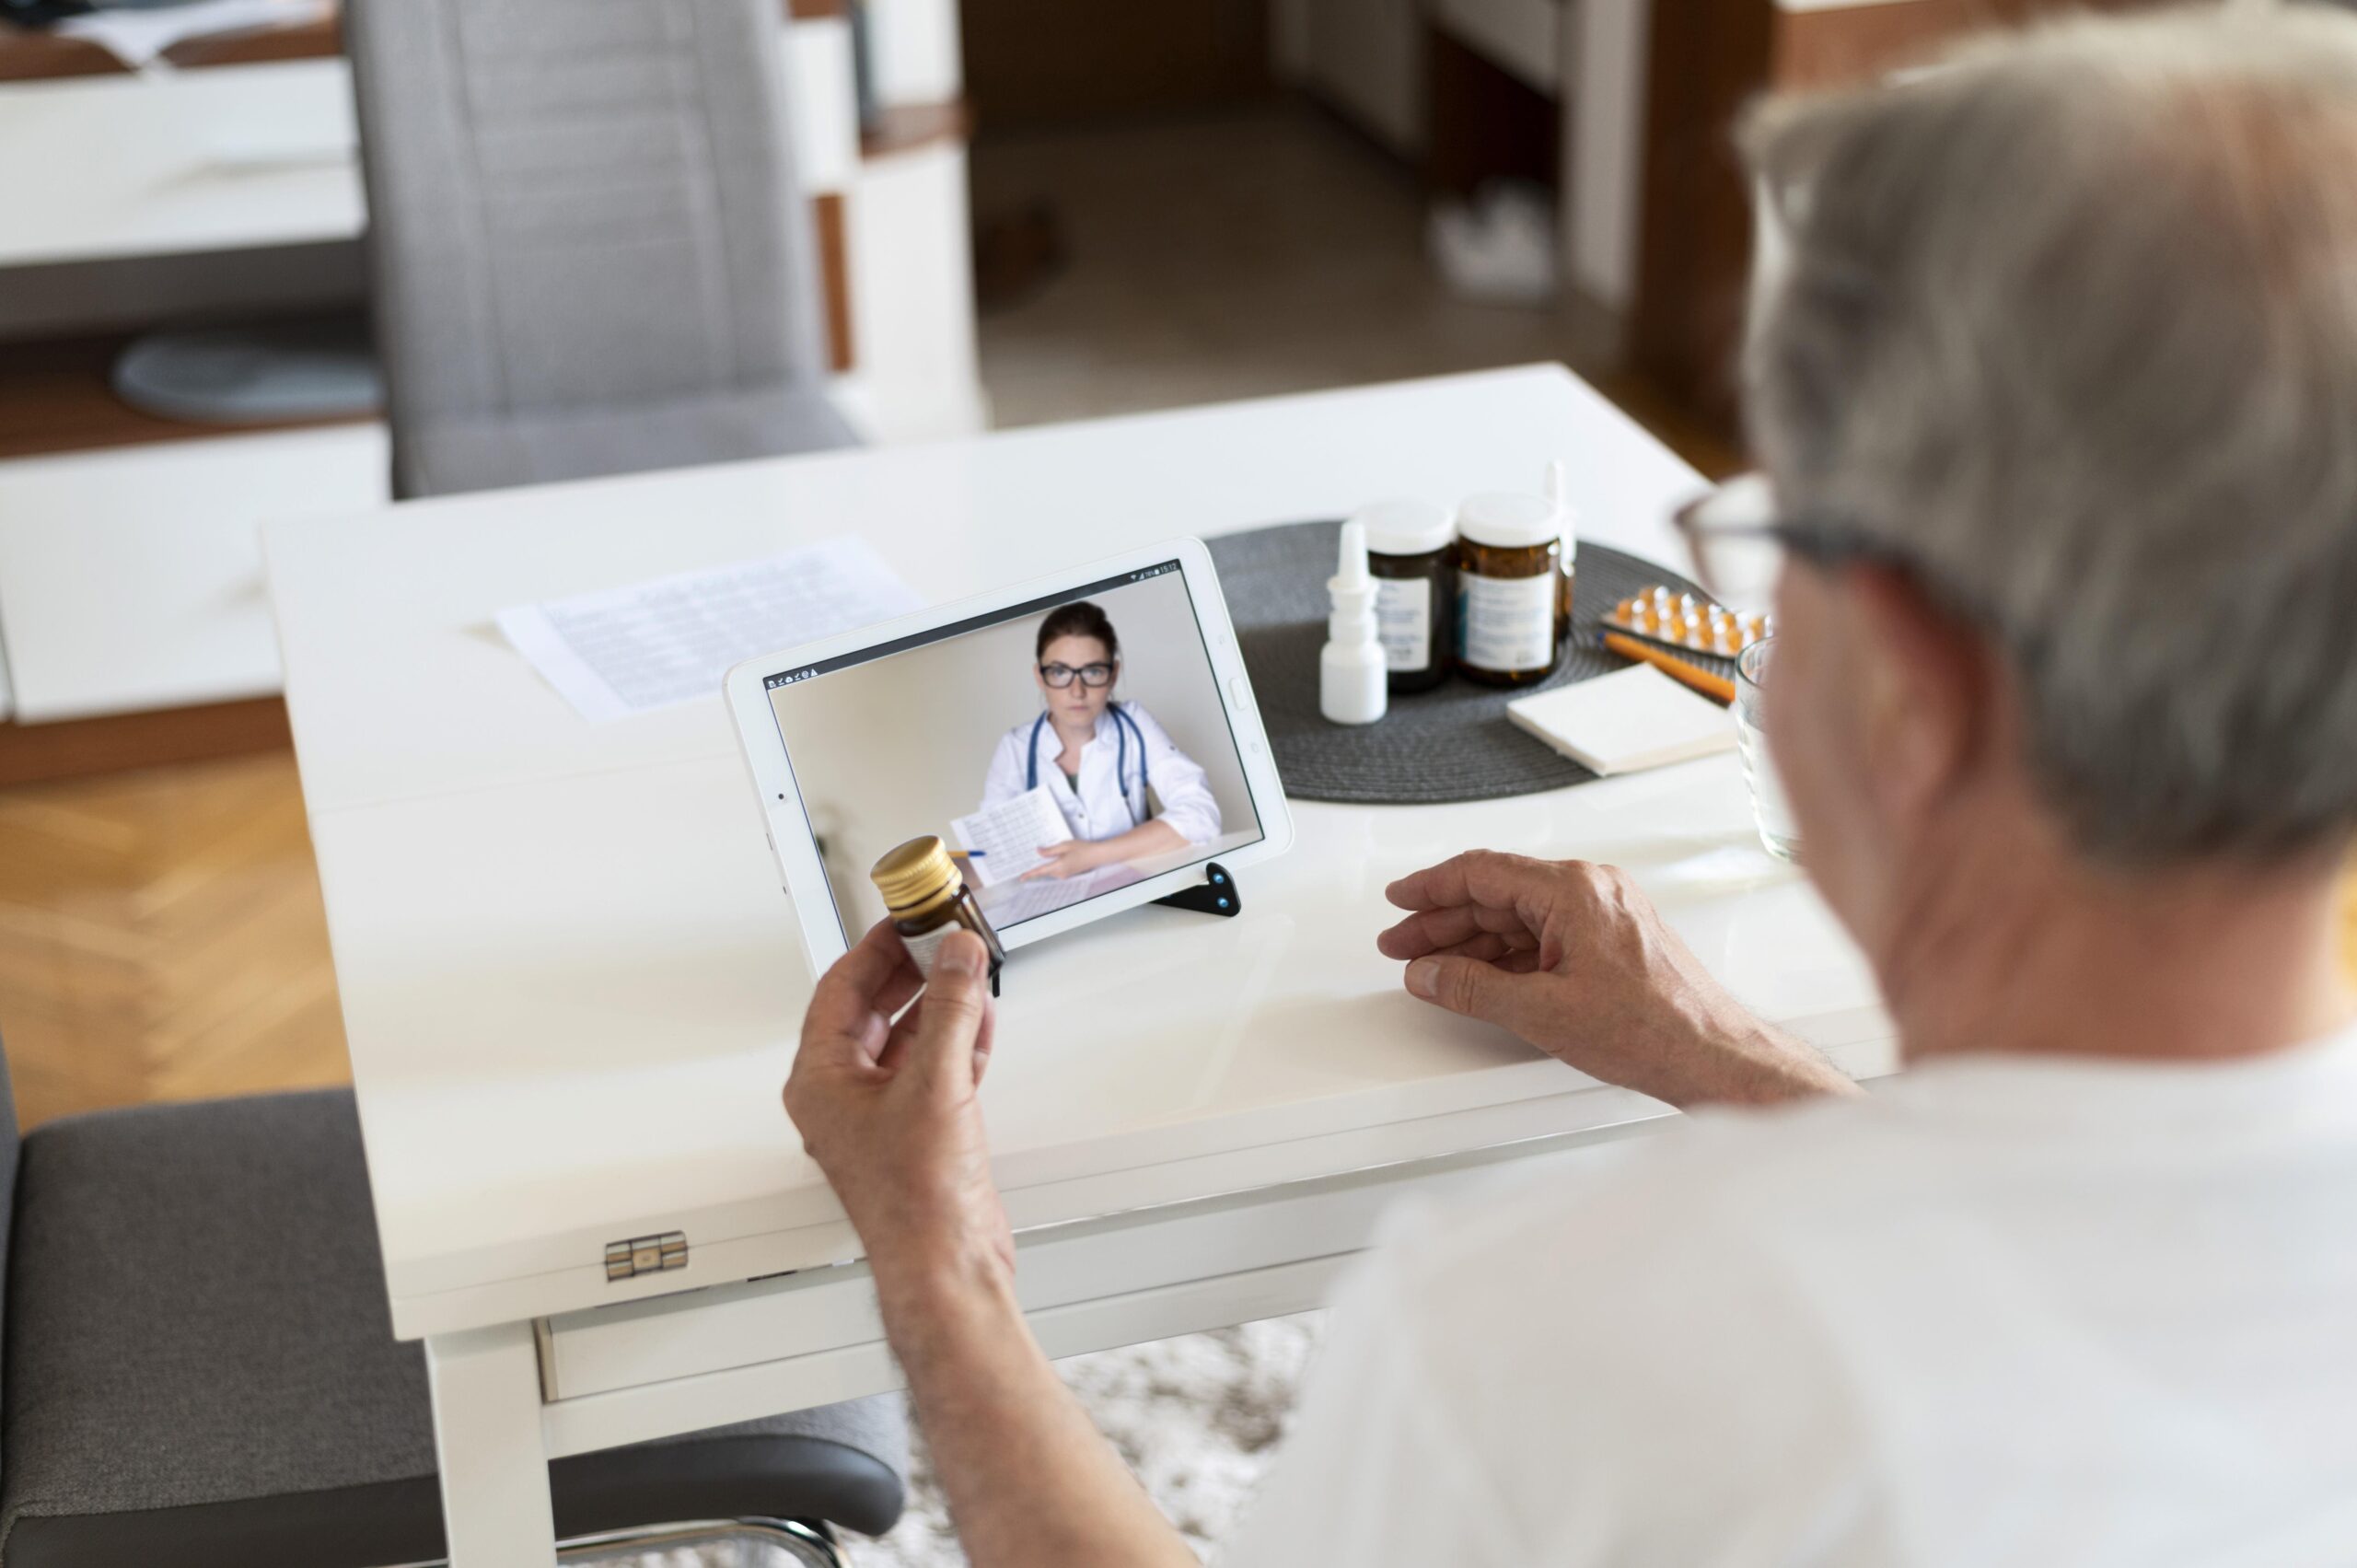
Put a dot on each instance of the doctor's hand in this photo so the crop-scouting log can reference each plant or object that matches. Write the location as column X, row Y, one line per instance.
column 889, row 1109
column 1575, row 958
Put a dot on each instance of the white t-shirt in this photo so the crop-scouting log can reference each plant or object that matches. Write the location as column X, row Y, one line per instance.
column 2006, row 1310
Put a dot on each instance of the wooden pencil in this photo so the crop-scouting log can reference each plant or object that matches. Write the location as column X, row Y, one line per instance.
column 1701, row 680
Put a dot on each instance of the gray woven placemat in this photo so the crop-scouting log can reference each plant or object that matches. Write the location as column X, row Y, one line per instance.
column 1454, row 742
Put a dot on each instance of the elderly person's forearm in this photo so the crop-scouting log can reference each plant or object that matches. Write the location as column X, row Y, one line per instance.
column 1029, row 1479
column 885, row 1095
column 1573, row 957
column 1759, row 1063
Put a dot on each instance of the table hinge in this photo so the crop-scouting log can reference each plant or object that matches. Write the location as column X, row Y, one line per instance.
column 646, row 1255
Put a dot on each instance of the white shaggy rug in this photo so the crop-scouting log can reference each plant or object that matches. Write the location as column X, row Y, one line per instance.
column 1197, row 1418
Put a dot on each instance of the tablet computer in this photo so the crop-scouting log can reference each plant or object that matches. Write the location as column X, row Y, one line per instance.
column 1083, row 744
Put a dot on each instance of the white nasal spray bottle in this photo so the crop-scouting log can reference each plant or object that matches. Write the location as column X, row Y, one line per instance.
column 1559, row 498
column 1354, row 683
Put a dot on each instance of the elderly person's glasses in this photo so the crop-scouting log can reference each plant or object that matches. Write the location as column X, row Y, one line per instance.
column 1092, row 676
column 1740, row 543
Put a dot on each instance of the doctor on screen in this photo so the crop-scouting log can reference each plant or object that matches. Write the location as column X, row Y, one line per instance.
column 1107, row 762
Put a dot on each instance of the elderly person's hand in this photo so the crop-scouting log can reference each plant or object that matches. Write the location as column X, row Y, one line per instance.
column 1575, row 959
column 889, row 1110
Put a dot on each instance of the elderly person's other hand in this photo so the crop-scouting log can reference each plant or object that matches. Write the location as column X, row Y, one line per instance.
column 889, row 1112
column 1575, row 959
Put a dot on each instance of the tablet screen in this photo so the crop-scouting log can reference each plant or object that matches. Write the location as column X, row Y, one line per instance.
column 1062, row 748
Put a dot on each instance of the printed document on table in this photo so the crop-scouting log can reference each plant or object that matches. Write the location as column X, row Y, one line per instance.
column 1004, row 840
column 656, row 645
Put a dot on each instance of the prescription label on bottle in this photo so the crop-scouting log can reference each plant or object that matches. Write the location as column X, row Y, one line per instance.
column 924, row 945
column 1403, row 621
column 1507, row 624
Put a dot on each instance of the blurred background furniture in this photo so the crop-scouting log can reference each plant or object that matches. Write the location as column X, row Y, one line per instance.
column 202, row 1370
column 226, row 183
column 1705, row 59
column 588, row 248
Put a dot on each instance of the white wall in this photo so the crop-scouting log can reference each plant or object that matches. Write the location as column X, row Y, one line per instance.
column 887, row 752
column 1603, row 135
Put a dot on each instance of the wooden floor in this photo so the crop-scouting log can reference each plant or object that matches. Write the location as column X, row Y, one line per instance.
column 161, row 938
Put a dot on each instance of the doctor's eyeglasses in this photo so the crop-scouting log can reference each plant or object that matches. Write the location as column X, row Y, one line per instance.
column 1092, row 676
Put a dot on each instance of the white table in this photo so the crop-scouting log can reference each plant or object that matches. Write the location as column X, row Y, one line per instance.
column 572, row 985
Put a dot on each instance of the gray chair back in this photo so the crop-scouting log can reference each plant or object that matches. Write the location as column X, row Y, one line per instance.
column 589, row 250
column 12, row 1147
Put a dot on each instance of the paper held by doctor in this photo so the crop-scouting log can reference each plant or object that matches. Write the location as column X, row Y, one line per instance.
column 1003, row 841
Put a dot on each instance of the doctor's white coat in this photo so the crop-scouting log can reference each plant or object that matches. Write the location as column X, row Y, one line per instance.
column 1104, row 805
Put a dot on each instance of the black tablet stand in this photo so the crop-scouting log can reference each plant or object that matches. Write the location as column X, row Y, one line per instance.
column 1216, row 896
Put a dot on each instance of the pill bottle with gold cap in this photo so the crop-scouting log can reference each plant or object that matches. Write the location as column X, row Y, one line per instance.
column 928, row 899
column 1511, row 611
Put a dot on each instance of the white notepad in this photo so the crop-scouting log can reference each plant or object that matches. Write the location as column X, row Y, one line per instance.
column 1628, row 720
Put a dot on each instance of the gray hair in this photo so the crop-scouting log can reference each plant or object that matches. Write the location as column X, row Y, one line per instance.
column 2069, row 327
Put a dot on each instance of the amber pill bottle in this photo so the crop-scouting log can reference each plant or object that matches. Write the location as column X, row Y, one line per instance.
column 1412, row 554
column 928, row 899
column 1511, row 611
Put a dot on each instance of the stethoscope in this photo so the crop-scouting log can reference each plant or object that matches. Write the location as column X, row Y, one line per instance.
column 1123, row 727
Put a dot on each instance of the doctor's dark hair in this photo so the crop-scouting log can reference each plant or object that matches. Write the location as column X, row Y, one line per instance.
column 1078, row 619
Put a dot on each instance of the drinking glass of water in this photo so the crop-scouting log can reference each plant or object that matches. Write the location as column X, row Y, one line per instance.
column 1769, row 805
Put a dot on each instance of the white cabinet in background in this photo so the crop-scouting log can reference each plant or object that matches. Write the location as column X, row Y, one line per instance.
column 259, row 158
column 227, row 158
column 914, row 45
column 917, row 375
column 131, row 577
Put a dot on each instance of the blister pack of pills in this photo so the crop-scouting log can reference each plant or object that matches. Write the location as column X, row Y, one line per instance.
column 1681, row 621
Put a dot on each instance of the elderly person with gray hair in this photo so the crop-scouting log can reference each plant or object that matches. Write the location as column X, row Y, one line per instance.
column 2055, row 382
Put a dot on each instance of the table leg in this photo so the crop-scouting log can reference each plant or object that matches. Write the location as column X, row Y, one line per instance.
column 486, row 1386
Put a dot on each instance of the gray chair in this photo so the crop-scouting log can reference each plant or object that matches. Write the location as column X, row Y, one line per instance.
column 589, row 252
column 201, row 1373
